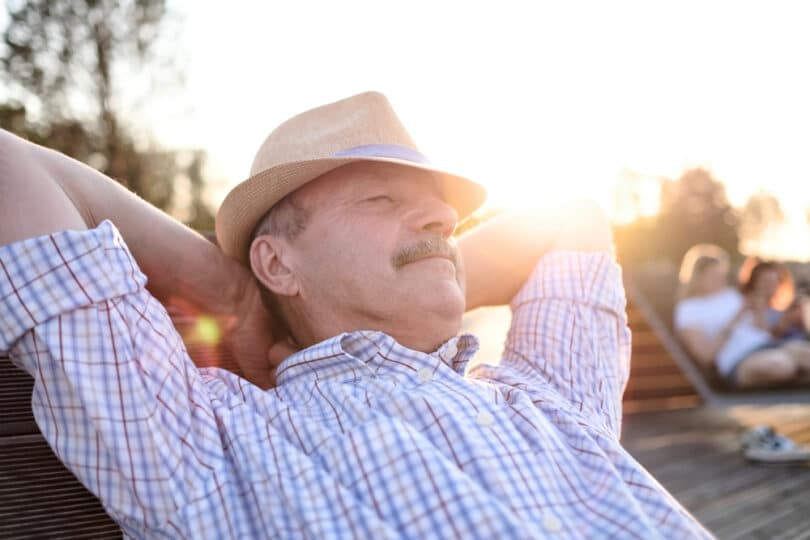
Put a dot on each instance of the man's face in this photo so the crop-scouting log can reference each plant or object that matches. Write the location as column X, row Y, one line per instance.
column 376, row 254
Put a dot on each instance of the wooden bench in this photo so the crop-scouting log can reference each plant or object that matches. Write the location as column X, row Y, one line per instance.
column 39, row 497
column 653, row 336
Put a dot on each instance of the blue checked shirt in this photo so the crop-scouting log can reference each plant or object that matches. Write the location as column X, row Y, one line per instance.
column 362, row 437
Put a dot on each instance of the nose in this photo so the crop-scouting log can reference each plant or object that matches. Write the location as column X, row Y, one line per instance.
column 434, row 215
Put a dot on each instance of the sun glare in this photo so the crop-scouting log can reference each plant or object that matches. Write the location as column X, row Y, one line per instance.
column 558, row 101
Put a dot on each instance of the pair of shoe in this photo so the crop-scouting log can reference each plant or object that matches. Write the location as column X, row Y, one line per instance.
column 762, row 444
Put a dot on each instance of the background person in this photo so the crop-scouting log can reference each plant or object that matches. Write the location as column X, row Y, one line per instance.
column 772, row 292
column 722, row 326
column 770, row 296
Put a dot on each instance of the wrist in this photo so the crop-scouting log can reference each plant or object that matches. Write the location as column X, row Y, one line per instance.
column 239, row 285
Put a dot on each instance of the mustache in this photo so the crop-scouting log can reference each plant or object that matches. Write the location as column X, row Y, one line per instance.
column 429, row 247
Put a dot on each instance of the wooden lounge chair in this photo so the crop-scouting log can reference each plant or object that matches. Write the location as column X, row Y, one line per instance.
column 708, row 385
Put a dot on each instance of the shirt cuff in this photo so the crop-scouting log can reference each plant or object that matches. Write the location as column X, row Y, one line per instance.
column 588, row 277
column 46, row 276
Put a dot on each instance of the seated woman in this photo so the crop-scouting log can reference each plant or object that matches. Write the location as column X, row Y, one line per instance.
column 770, row 294
column 770, row 287
column 732, row 330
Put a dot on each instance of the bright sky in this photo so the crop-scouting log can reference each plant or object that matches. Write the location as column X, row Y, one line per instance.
column 536, row 100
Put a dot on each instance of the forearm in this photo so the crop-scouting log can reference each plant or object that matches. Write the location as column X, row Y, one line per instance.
column 500, row 254
column 177, row 260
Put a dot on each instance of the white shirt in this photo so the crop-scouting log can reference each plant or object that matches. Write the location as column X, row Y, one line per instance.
column 711, row 314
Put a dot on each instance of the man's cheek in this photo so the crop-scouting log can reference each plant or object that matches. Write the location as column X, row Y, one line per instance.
column 461, row 274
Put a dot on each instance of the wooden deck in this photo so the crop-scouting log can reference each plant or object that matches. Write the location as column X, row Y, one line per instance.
column 695, row 454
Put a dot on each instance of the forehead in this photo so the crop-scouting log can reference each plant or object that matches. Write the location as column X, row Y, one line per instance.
column 356, row 179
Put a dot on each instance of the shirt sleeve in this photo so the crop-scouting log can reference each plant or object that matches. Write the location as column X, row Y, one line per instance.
column 569, row 337
column 116, row 395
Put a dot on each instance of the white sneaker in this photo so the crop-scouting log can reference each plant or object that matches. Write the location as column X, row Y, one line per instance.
column 764, row 445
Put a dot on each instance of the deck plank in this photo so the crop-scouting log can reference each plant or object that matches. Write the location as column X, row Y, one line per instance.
column 695, row 454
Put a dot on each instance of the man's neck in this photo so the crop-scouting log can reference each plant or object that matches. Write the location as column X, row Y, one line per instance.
column 419, row 336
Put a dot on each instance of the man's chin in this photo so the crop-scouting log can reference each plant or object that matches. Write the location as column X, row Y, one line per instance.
column 444, row 316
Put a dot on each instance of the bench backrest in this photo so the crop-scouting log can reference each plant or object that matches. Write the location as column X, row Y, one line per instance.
column 39, row 497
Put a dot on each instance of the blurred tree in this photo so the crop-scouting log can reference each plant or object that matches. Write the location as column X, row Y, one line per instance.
column 68, row 59
column 637, row 241
column 67, row 136
column 761, row 210
column 200, row 216
column 693, row 209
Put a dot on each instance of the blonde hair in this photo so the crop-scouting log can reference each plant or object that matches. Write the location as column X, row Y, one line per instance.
column 695, row 262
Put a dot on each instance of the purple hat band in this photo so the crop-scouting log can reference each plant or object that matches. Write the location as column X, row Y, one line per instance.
column 394, row 151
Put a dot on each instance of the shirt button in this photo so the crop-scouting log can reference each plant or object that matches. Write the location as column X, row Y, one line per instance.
column 452, row 350
column 484, row 418
column 424, row 374
column 551, row 524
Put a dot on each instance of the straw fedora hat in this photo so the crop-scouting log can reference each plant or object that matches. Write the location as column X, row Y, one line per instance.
column 360, row 128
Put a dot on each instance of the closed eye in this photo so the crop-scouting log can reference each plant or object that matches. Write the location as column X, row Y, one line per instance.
column 379, row 198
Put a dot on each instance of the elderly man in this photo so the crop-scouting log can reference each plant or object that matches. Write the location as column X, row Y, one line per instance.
column 359, row 419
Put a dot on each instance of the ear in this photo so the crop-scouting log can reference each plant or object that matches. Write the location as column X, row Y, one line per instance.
column 267, row 264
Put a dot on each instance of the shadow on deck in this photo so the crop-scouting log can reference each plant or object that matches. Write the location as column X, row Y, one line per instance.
column 695, row 454
column 689, row 439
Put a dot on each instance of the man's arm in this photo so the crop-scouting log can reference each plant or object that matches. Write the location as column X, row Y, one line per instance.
column 45, row 191
column 31, row 203
column 500, row 254
column 42, row 191
column 568, row 337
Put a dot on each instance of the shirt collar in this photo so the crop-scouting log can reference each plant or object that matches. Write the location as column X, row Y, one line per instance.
column 366, row 353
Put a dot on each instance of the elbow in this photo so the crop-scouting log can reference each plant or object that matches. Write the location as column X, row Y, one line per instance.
column 583, row 227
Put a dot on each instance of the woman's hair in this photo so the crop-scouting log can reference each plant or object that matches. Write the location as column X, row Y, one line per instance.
column 751, row 271
column 695, row 262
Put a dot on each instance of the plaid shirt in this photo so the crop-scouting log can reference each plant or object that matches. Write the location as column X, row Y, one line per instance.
column 362, row 437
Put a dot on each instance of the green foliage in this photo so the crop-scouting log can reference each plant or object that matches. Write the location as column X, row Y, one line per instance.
column 66, row 60
column 693, row 209
column 761, row 210
column 59, row 50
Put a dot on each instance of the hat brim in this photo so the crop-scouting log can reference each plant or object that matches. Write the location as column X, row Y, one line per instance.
column 248, row 202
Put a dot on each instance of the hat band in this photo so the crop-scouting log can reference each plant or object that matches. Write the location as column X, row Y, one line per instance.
column 394, row 151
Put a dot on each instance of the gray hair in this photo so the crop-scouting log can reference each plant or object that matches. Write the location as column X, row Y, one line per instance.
column 286, row 218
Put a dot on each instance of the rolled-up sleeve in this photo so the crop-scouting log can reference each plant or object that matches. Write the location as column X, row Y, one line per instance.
column 569, row 334
column 47, row 276
column 115, row 393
